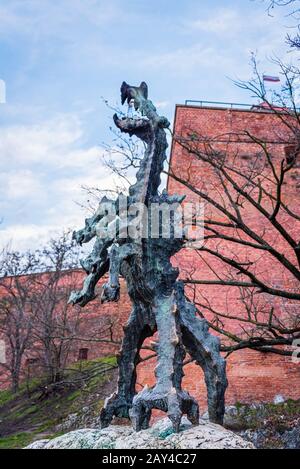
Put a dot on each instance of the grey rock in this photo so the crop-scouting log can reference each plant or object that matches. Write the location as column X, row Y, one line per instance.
column 70, row 422
column 161, row 435
column 291, row 438
column 257, row 437
column 232, row 417
column 39, row 444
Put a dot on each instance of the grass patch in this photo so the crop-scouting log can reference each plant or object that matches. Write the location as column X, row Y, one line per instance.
column 23, row 412
column 109, row 361
column 74, row 395
column 276, row 418
column 29, row 415
column 18, row 440
column 30, row 386
column 83, row 365
column 6, row 396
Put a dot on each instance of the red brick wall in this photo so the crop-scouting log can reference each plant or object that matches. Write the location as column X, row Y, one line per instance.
column 252, row 376
column 94, row 319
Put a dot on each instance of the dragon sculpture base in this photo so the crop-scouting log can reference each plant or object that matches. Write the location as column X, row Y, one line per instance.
column 158, row 300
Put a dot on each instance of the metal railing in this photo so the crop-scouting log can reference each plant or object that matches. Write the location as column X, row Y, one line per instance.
column 203, row 103
column 200, row 103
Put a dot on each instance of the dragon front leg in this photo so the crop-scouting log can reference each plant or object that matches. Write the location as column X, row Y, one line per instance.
column 141, row 324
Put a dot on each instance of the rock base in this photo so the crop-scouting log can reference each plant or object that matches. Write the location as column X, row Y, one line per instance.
column 160, row 436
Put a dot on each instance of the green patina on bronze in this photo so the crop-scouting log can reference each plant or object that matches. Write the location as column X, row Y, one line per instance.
column 158, row 300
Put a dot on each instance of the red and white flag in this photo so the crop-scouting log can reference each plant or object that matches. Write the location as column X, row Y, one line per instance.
column 271, row 78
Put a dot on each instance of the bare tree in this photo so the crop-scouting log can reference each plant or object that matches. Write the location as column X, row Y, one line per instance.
column 17, row 309
column 251, row 249
column 271, row 4
column 41, row 330
column 292, row 10
column 56, row 322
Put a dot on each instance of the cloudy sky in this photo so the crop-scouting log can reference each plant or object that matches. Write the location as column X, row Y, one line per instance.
column 59, row 57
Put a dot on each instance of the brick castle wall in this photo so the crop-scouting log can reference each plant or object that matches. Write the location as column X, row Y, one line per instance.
column 252, row 376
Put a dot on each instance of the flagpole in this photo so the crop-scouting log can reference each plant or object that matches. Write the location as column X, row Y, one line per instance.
column 269, row 79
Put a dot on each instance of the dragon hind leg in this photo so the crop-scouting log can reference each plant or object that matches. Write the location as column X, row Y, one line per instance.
column 204, row 348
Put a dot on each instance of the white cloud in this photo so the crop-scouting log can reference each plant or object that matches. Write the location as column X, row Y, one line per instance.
column 42, row 143
column 218, row 44
column 186, row 59
column 21, row 184
column 162, row 104
column 37, row 19
column 27, row 236
column 219, row 22
column 244, row 24
column 44, row 167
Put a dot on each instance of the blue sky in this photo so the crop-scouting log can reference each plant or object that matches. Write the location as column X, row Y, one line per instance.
column 58, row 57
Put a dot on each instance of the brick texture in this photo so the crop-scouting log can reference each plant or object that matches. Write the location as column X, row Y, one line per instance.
column 253, row 376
